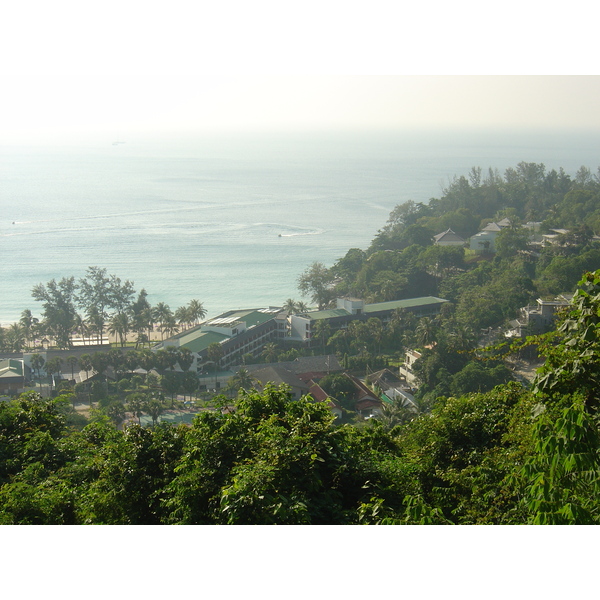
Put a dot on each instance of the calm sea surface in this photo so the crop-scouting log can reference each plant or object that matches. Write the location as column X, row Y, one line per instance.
column 231, row 221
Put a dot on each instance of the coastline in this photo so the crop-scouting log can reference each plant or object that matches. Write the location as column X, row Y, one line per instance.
column 155, row 337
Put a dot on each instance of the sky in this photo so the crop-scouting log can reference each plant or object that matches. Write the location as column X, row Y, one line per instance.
column 117, row 68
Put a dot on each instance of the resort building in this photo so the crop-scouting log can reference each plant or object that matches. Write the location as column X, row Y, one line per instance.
column 302, row 326
column 238, row 332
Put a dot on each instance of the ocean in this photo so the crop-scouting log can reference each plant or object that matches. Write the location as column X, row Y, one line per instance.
column 230, row 220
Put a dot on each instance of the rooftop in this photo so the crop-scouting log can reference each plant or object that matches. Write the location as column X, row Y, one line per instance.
column 448, row 236
column 406, row 303
column 11, row 368
column 326, row 314
column 373, row 308
column 492, row 227
column 203, row 340
column 252, row 317
column 279, row 375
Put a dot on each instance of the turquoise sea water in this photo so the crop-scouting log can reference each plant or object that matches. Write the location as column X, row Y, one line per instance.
column 231, row 221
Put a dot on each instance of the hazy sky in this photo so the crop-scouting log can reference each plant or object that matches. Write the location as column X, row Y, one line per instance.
column 72, row 68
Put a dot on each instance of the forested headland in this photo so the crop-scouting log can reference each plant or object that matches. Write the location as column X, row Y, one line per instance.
column 484, row 449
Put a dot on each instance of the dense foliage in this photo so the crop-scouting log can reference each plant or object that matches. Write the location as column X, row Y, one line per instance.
column 506, row 456
column 483, row 449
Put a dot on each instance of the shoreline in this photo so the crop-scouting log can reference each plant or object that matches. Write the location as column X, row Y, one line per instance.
column 112, row 339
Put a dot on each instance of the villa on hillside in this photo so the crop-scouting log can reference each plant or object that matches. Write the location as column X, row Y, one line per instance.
column 538, row 318
column 448, row 238
column 484, row 241
column 350, row 309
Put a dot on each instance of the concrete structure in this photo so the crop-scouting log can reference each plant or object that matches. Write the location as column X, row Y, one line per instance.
column 406, row 371
column 350, row 309
column 538, row 318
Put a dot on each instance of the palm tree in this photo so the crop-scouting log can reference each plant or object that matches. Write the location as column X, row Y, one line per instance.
column 270, row 352
column 301, row 307
column 116, row 412
column 37, row 362
column 214, row 353
column 163, row 315
column 197, row 311
column 426, row 331
column 290, row 306
column 142, row 323
column 15, row 337
column 95, row 323
column 29, row 324
column 182, row 316
column 136, row 403
column 155, row 409
column 323, row 332
column 461, row 338
column 241, row 380
column 185, row 359
column 147, row 359
column 85, row 362
column 81, row 327
column 72, row 361
column 189, row 383
column 170, row 383
column 169, row 327
column 339, row 341
column 399, row 412
column 116, row 360
column 376, row 328
column 53, row 366
column 119, row 325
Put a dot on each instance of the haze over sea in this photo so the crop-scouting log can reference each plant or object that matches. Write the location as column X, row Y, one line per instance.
column 232, row 220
